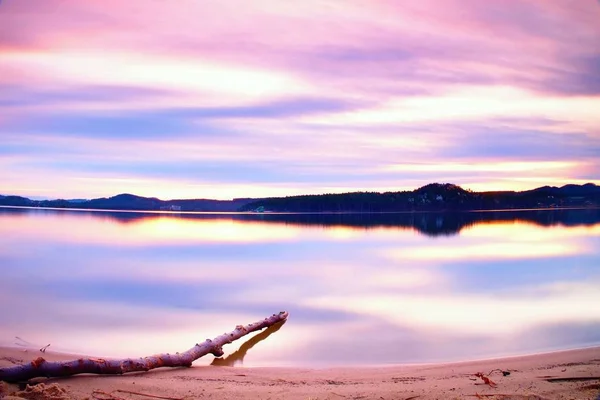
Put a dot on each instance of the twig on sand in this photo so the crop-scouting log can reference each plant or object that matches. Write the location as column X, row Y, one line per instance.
column 486, row 380
column 96, row 394
column 502, row 396
column 102, row 395
column 42, row 368
column 502, row 371
column 573, row 379
column 21, row 342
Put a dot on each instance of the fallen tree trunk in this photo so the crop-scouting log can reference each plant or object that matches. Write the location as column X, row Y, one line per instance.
column 42, row 368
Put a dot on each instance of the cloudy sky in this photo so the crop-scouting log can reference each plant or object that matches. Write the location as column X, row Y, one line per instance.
column 232, row 98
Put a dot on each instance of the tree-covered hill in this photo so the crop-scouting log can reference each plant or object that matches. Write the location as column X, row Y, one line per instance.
column 432, row 197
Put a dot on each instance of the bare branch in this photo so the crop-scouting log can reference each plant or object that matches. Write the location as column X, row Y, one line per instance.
column 42, row 368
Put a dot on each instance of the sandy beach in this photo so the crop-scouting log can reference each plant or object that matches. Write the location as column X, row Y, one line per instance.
column 527, row 380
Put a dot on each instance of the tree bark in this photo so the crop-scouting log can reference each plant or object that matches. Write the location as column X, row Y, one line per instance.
column 42, row 368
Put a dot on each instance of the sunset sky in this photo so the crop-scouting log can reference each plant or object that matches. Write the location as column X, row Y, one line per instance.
column 231, row 98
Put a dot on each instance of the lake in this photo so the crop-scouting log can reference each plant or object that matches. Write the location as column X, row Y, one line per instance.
column 361, row 289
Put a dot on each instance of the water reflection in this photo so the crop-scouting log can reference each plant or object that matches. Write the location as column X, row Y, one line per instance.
column 431, row 224
column 128, row 284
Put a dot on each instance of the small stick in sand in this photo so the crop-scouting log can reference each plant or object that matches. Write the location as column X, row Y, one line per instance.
column 502, row 371
column 42, row 368
column 111, row 396
column 513, row 396
column 486, row 380
column 573, row 379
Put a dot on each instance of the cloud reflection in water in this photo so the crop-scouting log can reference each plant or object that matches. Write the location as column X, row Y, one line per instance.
column 136, row 284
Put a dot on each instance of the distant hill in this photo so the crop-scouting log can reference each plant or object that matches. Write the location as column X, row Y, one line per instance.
column 16, row 201
column 432, row 197
column 131, row 202
column 77, row 200
column 567, row 190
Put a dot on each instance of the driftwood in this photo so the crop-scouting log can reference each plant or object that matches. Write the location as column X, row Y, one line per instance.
column 42, row 368
column 239, row 354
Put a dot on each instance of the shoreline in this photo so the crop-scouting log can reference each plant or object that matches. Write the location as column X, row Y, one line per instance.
column 434, row 211
column 454, row 380
column 66, row 354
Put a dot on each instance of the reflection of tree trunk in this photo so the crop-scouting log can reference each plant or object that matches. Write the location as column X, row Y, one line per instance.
column 238, row 356
column 42, row 368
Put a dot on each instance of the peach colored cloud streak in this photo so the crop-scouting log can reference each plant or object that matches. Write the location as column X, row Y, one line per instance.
column 349, row 88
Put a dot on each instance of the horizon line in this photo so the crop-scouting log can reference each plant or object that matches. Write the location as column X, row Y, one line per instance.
column 43, row 198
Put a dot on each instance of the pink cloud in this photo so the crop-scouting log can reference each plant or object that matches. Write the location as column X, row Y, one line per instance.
column 368, row 47
column 408, row 68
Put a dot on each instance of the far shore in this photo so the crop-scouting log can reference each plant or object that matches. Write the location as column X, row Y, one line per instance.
column 572, row 374
column 433, row 211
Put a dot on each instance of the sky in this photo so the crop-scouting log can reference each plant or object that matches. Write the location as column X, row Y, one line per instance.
column 230, row 98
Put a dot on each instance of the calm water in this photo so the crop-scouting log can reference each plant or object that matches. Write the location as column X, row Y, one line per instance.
column 361, row 290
